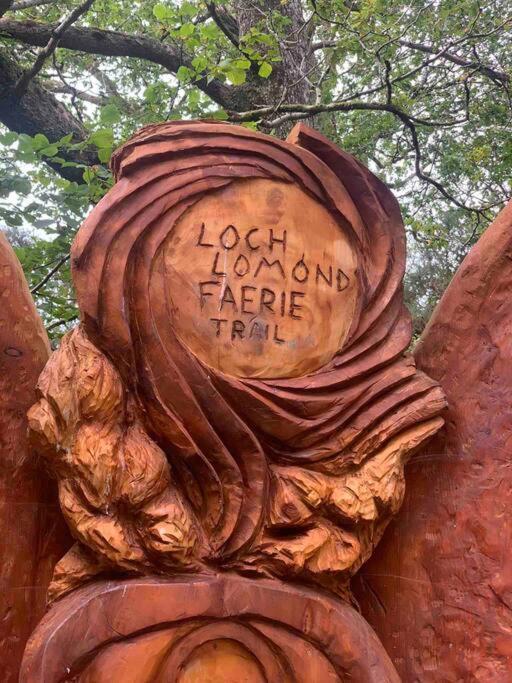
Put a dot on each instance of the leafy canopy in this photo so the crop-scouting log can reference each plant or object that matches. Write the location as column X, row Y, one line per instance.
column 419, row 91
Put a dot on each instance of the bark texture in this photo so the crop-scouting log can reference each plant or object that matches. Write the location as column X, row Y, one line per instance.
column 39, row 111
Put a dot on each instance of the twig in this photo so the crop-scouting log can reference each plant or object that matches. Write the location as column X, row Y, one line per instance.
column 63, row 321
column 51, row 46
column 49, row 275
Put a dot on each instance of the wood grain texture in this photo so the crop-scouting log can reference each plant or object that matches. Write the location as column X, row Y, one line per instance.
column 438, row 590
column 188, row 629
column 251, row 292
column 31, row 533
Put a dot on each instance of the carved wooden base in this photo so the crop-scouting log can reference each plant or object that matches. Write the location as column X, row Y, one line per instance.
column 222, row 628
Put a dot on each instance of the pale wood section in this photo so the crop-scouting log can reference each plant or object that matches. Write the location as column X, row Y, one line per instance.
column 221, row 660
column 261, row 280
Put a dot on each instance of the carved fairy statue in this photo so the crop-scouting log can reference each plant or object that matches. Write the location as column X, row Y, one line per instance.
column 228, row 426
column 238, row 394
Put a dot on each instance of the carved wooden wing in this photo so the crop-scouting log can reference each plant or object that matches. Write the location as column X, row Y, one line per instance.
column 438, row 590
column 31, row 531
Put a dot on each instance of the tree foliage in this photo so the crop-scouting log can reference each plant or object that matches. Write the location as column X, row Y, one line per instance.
column 420, row 91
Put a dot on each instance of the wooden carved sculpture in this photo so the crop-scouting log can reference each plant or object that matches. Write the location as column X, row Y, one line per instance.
column 32, row 534
column 232, row 416
column 439, row 589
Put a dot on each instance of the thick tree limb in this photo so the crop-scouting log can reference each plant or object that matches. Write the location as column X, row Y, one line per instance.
column 38, row 111
column 294, row 112
column 117, row 44
column 50, row 47
column 225, row 24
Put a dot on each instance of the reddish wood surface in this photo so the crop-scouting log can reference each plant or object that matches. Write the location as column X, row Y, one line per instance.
column 293, row 476
column 225, row 629
column 30, row 526
column 438, row 590
column 177, row 452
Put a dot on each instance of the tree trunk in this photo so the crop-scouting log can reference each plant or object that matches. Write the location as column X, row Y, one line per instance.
column 289, row 82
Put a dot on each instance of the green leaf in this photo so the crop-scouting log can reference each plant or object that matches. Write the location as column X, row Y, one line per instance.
column 199, row 63
column 241, row 64
column 21, row 185
column 49, row 151
column 65, row 139
column 161, row 12
column 265, row 70
column 88, row 175
column 186, row 30
column 236, row 76
column 102, row 138
column 13, row 220
column 151, row 93
column 110, row 114
column 39, row 141
column 184, row 74
column 43, row 223
column 104, row 154
column 187, row 9
column 219, row 115
column 8, row 138
column 193, row 98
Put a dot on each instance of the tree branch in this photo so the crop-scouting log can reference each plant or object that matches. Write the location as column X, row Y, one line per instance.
column 116, row 44
column 300, row 111
column 50, row 47
column 455, row 59
column 38, row 111
column 484, row 69
column 50, row 274
column 63, row 321
column 227, row 30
